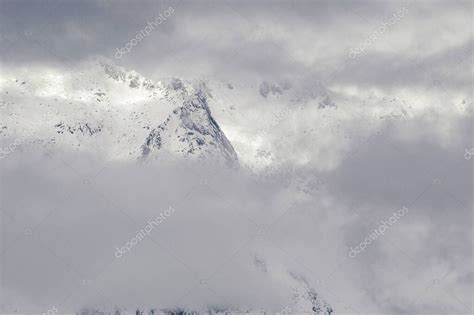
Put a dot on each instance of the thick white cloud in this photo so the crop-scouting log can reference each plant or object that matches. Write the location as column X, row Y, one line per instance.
column 396, row 137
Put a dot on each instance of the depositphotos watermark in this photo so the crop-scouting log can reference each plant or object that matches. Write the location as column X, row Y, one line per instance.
column 51, row 311
column 379, row 31
column 146, row 231
column 28, row 132
column 145, row 32
column 469, row 153
column 285, row 311
column 275, row 121
column 377, row 232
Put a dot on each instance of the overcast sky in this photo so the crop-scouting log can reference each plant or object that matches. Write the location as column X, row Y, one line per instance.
column 432, row 41
column 368, row 167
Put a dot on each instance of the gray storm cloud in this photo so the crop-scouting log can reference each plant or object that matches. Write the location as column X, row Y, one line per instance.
column 265, row 38
column 360, row 137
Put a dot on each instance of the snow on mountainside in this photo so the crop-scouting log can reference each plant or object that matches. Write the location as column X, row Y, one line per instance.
column 103, row 109
column 197, row 131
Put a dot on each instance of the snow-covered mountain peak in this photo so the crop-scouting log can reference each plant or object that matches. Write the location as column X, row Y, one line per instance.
column 191, row 130
column 100, row 106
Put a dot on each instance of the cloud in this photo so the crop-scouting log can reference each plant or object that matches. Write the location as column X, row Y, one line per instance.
column 263, row 39
column 79, row 212
column 396, row 137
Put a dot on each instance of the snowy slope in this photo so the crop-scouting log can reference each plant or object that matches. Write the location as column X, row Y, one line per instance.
column 105, row 110
column 191, row 131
